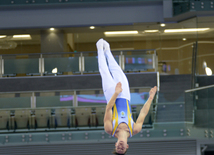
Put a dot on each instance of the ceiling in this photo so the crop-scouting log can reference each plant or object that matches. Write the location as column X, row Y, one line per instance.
column 86, row 35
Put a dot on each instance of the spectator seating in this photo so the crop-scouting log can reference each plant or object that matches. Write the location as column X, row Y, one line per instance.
column 61, row 118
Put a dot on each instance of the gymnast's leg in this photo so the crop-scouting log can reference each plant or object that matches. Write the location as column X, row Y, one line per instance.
column 108, row 84
column 117, row 73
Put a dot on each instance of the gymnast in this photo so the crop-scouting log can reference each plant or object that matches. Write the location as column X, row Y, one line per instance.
column 118, row 120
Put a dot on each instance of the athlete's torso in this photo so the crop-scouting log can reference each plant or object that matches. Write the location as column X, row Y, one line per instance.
column 122, row 116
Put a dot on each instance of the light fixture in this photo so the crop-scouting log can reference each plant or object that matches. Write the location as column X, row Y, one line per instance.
column 120, row 32
column 208, row 71
column 184, row 39
column 21, row 36
column 162, row 25
column 3, row 36
column 52, row 29
column 151, row 31
column 55, row 70
column 92, row 27
column 185, row 30
column 204, row 64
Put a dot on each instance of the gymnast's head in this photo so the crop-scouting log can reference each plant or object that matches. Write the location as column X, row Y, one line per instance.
column 121, row 147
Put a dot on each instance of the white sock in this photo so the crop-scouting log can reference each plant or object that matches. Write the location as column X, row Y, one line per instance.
column 106, row 45
column 99, row 44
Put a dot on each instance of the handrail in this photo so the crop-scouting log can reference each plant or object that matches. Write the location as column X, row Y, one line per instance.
column 49, row 108
column 168, row 103
column 199, row 88
column 62, row 107
column 142, row 50
column 62, row 3
column 67, row 90
column 194, row 62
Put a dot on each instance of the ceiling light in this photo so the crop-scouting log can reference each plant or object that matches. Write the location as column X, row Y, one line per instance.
column 52, row 29
column 184, row 39
column 151, row 31
column 3, row 36
column 21, row 36
column 162, row 25
column 208, row 71
column 92, row 27
column 185, row 30
column 120, row 32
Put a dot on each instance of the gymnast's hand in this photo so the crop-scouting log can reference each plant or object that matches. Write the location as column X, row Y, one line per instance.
column 118, row 88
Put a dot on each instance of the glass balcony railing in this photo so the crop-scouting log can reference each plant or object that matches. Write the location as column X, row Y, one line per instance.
column 139, row 62
column 192, row 118
column 70, row 63
column 54, row 99
column 199, row 105
column 60, row 64
column 48, row 110
column 65, row 98
column 15, row 100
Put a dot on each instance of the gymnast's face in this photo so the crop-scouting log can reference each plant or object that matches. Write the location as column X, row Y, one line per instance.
column 121, row 147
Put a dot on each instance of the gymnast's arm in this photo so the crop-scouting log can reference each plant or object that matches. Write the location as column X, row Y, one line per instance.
column 144, row 111
column 108, row 112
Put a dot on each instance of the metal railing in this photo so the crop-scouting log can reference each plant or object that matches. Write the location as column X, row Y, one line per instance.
column 201, row 102
column 48, row 2
column 67, row 63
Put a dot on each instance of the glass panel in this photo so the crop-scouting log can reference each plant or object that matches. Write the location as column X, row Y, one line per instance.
column 91, row 61
column 201, row 103
column 12, row 100
column 18, row 102
column 54, row 99
column 189, row 106
column 170, row 112
column 20, row 66
column 91, row 64
column 95, row 97
column 139, row 96
column 136, row 62
column 64, row 64
column 91, row 98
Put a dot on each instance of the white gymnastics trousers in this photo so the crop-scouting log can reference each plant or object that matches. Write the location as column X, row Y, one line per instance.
column 111, row 74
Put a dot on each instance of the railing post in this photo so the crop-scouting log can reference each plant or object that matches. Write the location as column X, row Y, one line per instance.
column 33, row 100
column 75, row 99
column 81, row 63
column 41, row 65
column 1, row 65
column 121, row 60
column 155, row 60
column 194, row 64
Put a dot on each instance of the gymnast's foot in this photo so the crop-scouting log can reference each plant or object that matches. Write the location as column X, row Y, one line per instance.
column 99, row 44
column 106, row 46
